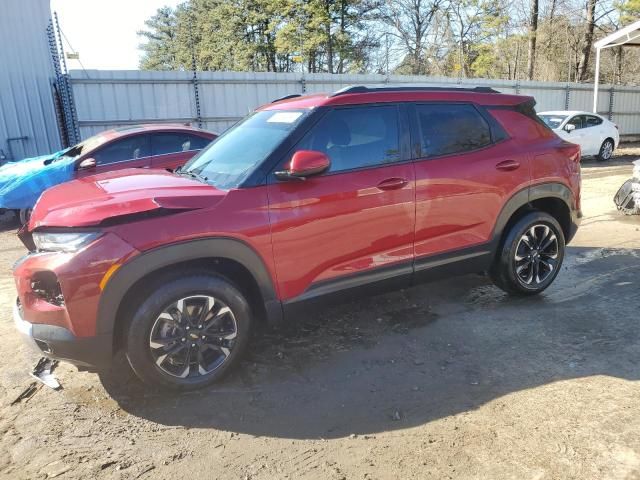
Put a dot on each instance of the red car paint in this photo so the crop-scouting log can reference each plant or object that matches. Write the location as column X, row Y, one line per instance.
column 306, row 233
column 168, row 160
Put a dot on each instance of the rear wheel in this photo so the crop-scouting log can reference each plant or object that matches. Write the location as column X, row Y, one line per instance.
column 606, row 150
column 189, row 332
column 531, row 255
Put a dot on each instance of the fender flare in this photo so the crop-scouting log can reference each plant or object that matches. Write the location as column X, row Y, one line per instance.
column 526, row 196
column 141, row 265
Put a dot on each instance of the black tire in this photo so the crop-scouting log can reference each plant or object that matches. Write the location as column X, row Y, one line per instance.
column 143, row 358
column 606, row 150
column 24, row 215
column 510, row 274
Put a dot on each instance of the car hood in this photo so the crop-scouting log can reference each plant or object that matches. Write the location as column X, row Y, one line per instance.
column 120, row 196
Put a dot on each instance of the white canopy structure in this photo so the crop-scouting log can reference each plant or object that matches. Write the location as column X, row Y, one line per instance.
column 628, row 36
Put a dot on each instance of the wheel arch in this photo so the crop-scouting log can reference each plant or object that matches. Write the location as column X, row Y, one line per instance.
column 231, row 258
column 554, row 198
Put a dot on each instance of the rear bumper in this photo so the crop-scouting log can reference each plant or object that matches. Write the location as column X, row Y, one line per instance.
column 59, row 343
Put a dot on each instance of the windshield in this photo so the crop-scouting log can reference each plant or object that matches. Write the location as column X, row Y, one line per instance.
column 87, row 145
column 231, row 158
column 553, row 121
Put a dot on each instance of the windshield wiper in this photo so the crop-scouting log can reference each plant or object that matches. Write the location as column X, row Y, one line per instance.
column 194, row 175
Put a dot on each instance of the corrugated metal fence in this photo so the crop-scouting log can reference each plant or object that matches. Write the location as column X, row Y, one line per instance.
column 28, row 124
column 106, row 99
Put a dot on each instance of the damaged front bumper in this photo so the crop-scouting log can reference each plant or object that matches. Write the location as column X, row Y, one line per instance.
column 90, row 353
column 25, row 329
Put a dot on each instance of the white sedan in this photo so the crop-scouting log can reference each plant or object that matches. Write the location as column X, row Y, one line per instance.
column 596, row 135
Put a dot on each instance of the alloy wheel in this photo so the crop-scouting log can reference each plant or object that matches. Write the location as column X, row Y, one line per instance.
column 193, row 336
column 607, row 150
column 536, row 256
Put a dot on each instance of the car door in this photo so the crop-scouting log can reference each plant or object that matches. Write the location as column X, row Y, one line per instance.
column 132, row 151
column 352, row 225
column 466, row 169
column 173, row 149
column 580, row 135
column 594, row 134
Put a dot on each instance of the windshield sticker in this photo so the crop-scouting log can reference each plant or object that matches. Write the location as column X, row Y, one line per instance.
column 284, row 117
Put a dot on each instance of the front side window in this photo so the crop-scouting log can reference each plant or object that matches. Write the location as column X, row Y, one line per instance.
column 129, row 148
column 553, row 121
column 230, row 159
column 448, row 129
column 356, row 137
column 578, row 121
column 166, row 143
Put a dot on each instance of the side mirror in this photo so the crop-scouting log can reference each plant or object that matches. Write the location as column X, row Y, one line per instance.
column 569, row 127
column 87, row 163
column 304, row 163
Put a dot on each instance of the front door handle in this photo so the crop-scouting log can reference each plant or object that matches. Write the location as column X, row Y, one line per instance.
column 508, row 165
column 392, row 184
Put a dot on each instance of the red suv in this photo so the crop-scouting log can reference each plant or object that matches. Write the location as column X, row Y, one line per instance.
column 307, row 197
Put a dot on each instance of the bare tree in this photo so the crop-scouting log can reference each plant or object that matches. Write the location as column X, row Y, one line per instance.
column 587, row 41
column 411, row 21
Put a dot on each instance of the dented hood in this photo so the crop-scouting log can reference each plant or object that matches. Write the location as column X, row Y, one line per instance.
column 108, row 197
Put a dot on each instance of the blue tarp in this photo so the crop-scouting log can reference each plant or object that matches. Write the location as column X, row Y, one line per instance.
column 22, row 183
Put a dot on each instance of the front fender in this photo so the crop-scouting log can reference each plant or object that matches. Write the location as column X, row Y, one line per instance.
column 141, row 265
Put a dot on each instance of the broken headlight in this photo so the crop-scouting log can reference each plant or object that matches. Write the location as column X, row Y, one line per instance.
column 63, row 241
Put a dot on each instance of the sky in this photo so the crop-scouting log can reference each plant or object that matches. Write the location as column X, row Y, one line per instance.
column 104, row 33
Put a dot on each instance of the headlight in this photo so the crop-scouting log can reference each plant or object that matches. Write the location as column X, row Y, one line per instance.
column 63, row 242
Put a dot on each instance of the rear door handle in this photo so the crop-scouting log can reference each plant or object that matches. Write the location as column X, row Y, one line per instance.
column 508, row 165
column 392, row 184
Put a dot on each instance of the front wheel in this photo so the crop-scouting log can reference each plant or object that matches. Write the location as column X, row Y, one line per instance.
column 530, row 256
column 606, row 150
column 24, row 215
column 188, row 332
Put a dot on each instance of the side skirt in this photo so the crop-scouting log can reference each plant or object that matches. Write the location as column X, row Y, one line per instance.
column 471, row 260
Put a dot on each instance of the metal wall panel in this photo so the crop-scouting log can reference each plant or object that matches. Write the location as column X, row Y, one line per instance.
column 106, row 99
column 26, row 76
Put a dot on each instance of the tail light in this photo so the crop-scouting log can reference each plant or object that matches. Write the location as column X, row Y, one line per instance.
column 616, row 125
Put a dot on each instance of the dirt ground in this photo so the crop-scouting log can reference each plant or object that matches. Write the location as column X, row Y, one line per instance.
column 446, row 380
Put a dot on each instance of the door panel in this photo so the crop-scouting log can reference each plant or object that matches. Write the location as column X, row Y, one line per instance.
column 132, row 163
column 579, row 136
column 459, row 197
column 349, row 223
column 462, row 180
column 331, row 226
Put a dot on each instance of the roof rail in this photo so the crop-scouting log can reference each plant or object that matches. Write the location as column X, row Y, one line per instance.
column 286, row 97
column 411, row 88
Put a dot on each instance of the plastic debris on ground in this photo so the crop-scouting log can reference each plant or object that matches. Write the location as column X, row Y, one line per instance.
column 627, row 199
column 43, row 371
column 27, row 393
column 22, row 183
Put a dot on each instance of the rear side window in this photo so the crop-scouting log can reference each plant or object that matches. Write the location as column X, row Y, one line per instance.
column 448, row 129
column 129, row 148
column 356, row 137
column 165, row 143
column 593, row 121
